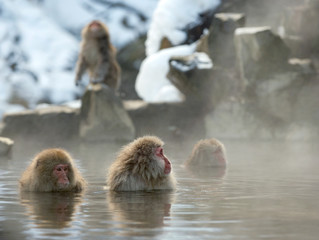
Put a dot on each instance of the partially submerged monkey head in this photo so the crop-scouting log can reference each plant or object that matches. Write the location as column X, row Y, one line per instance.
column 209, row 153
column 52, row 170
column 141, row 165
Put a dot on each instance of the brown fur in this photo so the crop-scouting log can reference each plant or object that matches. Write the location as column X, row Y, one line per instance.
column 136, row 168
column 203, row 153
column 38, row 177
column 98, row 56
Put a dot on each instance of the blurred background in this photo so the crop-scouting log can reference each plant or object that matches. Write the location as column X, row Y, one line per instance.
column 40, row 40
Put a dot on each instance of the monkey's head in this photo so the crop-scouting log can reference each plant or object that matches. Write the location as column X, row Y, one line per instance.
column 208, row 152
column 95, row 29
column 54, row 168
column 145, row 157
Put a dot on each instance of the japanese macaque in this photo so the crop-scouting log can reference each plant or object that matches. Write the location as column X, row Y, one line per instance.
column 209, row 153
column 141, row 165
column 98, row 56
column 52, row 170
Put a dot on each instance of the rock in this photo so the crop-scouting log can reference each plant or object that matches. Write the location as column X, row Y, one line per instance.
column 203, row 85
column 6, row 145
column 130, row 58
column 277, row 95
column 300, row 24
column 221, row 38
column 103, row 117
column 54, row 122
column 260, row 53
column 190, row 75
column 167, row 120
column 307, row 104
column 303, row 66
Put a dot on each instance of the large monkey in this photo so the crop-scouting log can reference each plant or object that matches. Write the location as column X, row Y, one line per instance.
column 141, row 165
column 52, row 170
column 209, row 153
column 98, row 56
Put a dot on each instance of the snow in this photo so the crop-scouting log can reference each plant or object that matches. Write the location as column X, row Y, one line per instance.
column 199, row 60
column 44, row 55
column 171, row 17
column 110, row 13
column 250, row 30
column 152, row 84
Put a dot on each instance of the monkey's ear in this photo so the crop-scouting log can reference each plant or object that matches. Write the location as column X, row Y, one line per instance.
column 37, row 164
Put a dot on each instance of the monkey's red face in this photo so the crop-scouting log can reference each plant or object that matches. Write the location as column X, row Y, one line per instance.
column 220, row 158
column 61, row 173
column 167, row 164
column 95, row 26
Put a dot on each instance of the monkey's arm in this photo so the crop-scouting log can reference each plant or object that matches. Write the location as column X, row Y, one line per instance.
column 81, row 67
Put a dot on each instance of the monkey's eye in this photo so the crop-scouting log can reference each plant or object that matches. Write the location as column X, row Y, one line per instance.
column 59, row 169
column 159, row 151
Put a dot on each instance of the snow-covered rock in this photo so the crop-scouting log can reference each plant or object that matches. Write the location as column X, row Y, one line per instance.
column 170, row 19
column 6, row 145
column 152, row 84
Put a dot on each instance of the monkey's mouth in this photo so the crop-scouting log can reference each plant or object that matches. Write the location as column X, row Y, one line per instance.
column 62, row 185
column 167, row 171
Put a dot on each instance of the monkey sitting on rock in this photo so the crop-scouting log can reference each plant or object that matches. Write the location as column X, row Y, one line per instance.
column 98, row 56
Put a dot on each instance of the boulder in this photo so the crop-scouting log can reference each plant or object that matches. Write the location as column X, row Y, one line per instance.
column 277, row 95
column 53, row 122
column 190, row 74
column 130, row 58
column 260, row 53
column 300, row 24
column 307, row 104
column 282, row 95
column 203, row 85
column 103, row 117
column 6, row 145
column 166, row 120
column 221, row 38
column 304, row 66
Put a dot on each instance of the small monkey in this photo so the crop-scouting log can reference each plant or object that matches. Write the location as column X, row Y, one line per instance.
column 141, row 165
column 98, row 56
column 209, row 153
column 52, row 170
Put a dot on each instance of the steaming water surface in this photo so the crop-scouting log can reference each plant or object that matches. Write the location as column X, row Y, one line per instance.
column 270, row 190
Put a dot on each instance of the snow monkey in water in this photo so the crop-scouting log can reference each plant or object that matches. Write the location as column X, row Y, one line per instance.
column 141, row 165
column 208, row 153
column 52, row 170
column 98, row 56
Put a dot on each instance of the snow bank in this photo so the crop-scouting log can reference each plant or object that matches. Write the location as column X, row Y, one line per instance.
column 152, row 84
column 171, row 17
column 112, row 13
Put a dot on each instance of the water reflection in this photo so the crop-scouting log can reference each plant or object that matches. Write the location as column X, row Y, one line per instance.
column 206, row 172
column 140, row 209
column 51, row 210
